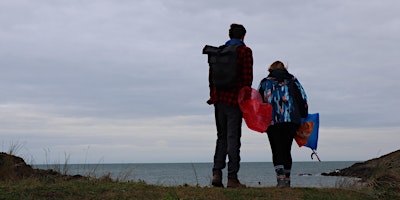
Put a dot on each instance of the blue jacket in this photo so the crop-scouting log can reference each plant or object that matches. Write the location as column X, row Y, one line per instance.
column 274, row 90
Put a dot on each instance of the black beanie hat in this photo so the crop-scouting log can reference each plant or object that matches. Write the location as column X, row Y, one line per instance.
column 237, row 31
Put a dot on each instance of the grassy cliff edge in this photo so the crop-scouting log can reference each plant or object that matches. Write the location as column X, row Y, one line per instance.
column 381, row 178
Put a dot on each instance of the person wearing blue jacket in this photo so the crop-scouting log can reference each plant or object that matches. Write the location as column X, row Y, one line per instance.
column 286, row 118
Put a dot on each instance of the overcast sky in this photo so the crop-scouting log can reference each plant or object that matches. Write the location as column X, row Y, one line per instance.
column 119, row 81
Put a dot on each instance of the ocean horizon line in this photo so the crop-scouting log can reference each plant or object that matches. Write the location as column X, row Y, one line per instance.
column 200, row 162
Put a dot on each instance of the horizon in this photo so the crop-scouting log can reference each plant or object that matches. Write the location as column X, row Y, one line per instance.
column 122, row 81
column 55, row 164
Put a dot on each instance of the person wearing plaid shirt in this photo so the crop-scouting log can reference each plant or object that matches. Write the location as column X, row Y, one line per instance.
column 228, row 116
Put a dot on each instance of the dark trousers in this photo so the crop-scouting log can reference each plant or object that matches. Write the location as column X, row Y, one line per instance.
column 281, row 138
column 229, row 131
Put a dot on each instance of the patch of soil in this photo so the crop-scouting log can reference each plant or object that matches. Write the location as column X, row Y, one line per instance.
column 15, row 168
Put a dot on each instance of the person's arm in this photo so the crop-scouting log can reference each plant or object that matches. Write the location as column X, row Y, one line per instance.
column 247, row 63
column 211, row 86
column 302, row 91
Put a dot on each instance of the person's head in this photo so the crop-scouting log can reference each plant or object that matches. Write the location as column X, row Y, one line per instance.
column 276, row 65
column 237, row 31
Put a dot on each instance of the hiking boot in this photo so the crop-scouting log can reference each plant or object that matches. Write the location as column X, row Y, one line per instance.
column 287, row 182
column 217, row 181
column 234, row 183
column 280, row 181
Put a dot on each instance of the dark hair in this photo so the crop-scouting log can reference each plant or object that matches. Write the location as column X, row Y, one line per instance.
column 237, row 31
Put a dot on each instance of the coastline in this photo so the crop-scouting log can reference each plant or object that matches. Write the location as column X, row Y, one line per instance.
column 29, row 183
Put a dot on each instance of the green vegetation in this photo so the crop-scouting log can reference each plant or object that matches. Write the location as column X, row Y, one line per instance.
column 20, row 181
column 36, row 188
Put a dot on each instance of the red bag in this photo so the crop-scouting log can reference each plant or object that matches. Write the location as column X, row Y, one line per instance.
column 256, row 113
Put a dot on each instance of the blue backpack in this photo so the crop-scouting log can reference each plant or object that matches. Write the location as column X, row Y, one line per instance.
column 299, row 103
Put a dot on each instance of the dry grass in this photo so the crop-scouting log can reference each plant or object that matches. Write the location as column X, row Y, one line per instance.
column 380, row 175
column 105, row 189
column 19, row 181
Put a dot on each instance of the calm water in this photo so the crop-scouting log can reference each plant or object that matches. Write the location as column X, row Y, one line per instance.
column 256, row 174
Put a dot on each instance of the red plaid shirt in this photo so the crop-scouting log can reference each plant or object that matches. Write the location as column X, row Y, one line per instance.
column 245, row 78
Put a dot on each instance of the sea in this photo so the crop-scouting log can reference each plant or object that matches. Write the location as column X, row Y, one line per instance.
column 253, row 174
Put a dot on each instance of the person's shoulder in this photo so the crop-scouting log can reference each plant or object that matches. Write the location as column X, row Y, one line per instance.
column 244, row 48
column 264, row 81
column 294, row 78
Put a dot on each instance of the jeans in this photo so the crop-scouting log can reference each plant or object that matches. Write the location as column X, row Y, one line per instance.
column 229, row 131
